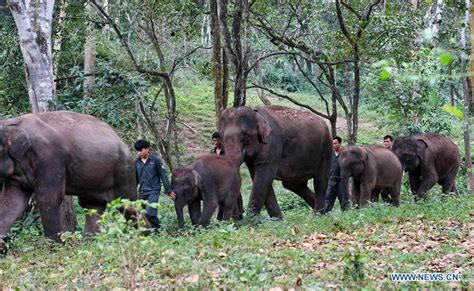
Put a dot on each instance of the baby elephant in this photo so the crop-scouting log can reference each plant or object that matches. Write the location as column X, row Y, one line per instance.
column 372, row 169
column 212, row 179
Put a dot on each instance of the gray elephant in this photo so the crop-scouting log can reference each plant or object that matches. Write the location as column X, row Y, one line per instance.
column 280, row 143
column 429, row 159
column 372, row 169
column 215, row 181
column 53, row 154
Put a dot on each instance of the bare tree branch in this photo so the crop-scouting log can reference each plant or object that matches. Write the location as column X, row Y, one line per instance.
column 267, row 56
column 290, row 99
column 313, row 84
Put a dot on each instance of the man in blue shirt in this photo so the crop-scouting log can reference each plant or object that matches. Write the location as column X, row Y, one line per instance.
column 150, row 172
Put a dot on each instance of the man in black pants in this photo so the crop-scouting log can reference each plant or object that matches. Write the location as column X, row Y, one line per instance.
column 335, row 185
column 387, row 143
column 150, row 172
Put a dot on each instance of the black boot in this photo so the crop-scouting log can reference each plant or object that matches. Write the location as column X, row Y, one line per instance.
column 154, row 221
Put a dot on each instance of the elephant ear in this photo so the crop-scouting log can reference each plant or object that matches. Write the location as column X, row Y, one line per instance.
column 263, row 128
column 18, row 142
column 421, row 148
column 196, row 179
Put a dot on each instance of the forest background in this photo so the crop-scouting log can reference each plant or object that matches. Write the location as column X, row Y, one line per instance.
column 164, row 70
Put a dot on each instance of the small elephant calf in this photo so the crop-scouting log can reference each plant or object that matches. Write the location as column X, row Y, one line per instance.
column 212, row 179
column 372, row 169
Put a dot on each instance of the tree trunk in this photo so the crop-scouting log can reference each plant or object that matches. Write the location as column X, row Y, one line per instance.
column 471, row 24
column 355, row 100
column 225, row 80
column 59, row 37
column 467, row 94
column 34, row 30
column 217, row 61
column 35, row 45
column 89, row 55
column 233, row 46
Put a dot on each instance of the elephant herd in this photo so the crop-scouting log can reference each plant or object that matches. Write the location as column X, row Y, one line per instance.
column 54, row 154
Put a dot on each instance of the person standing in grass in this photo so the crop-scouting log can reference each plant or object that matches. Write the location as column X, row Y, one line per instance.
column 335, row 186
column 387, row 143
column 150, row 173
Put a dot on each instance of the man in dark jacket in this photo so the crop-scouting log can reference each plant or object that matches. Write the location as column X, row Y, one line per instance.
column 150, row 172
column 335, row 185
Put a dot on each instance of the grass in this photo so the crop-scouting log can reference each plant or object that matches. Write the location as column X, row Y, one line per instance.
column 354, row 249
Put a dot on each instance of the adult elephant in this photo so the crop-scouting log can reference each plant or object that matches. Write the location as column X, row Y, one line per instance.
column 280, row 143
column 53, row 154
column 372, row 169
column 429, row 159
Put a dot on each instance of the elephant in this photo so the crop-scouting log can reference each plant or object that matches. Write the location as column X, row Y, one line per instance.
column 212, row 179
column 429, row 159
column 372, row 169
column 277, row 142
column 53, row 154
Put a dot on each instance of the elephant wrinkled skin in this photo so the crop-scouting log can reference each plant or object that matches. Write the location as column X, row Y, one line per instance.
column 53, row 154
column 429, row 159
column 280, row 143
column 212, row 179
column 372, row 169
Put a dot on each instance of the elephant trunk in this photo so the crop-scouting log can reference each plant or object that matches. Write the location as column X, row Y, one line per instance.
column 345, row 186
column 179, row 213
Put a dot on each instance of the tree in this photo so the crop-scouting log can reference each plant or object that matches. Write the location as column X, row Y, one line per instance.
column 166, row 30
column 89, row 54
column 298, row 32
column 467, row 94
column 471, row 21
column 236, row 45
column 34, row 20
column 219, row 63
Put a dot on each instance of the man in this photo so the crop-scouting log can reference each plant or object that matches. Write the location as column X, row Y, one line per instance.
column 218, row 146
column 150, row 172
column 387, row 141
column 335, row 186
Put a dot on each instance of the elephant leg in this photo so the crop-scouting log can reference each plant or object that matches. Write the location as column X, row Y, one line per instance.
column 355, row 197
column 301, row 188
column 320, row 184
column 239, row 209
column 449, row 185
column 195, row 211
column 220, row 212
column 262, row 192
column 365, row 191
column 208, row 210
column 13, row 203
column 91, row 225
column 228, row 208
column 231, row 204
column 375, row 195
column 395, row 193
column 425, row 185
column 415, row 181
column 49, row 197
column 271, row 204
column 386, row 194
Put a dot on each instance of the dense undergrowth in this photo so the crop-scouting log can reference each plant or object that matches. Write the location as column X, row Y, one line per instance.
column 358, row 248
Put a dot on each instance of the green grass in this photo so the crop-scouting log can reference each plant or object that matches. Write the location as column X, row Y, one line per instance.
column 354, row 249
